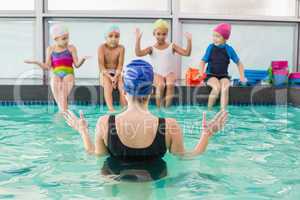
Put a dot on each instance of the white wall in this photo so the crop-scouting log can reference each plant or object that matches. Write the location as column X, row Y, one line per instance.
column 17, row 44
column 240, row 7
column 108, row 5
column 17, row 5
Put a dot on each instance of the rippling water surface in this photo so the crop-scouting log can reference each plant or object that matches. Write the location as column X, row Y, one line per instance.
column 257, row 156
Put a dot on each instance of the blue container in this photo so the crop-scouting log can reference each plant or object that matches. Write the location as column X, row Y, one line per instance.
column 255, row 77
column 294, row 82
column 280, row 80
column 237, row 82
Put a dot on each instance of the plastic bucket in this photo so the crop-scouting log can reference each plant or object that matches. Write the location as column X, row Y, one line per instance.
column 295, row 75
column 280, row 80
column 281, row 64
column 283, row 72
column 192, row 77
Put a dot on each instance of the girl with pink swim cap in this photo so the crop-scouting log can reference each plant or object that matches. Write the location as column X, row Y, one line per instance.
column 217, row 57
column 61, row 58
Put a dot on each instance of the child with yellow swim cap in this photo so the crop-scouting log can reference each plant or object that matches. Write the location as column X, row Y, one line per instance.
column 162, row 55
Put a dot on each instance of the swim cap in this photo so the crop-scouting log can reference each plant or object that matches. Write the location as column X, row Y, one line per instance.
column 160, row 23
column 112, row 28
column 58, row 30
column 138, row 78
column 223, row 29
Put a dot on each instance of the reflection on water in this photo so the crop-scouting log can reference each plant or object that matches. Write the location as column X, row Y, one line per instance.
column 134, row 171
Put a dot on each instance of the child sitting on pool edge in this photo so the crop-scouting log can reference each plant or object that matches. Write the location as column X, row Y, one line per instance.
column 162, row 55
column 217, row 57
column 111, row 60
column 61, row 57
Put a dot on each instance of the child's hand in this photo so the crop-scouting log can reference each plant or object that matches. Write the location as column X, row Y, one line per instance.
column 76, row 123
column 30, row 61
column 138, row 34
column 243, row 81
column 215, row 125
column 86, row 57
column 114, row 81
column 198, row 76
column 188, row 36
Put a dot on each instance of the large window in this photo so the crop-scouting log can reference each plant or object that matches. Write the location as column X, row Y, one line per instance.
column 153, row 5
column 17, row 5
column 87, row 36
column 17, row 44
column 257, row 44
column 240, row 7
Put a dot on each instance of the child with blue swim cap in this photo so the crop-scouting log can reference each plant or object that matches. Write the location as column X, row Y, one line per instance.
column 111, row 59
column 162, row 55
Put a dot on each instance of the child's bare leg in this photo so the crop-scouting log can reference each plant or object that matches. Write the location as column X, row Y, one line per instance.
column 108, row 89
column 68, row 83
column 56, row 88
column 170, row 81
column 225, row 84
column 123, row 101
column 214, row 83
column 159, row 83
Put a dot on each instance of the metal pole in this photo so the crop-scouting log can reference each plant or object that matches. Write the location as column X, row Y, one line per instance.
column 39, row 33
column 176, row 33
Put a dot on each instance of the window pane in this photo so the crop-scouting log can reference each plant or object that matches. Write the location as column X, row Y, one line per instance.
column 87, row 36
column 250, row 43
column 17, row 44
column 156, row 5
column 240, row 7
column 17, row 5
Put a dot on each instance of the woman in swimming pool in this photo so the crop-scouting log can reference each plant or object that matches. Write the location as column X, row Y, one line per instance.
column 136, row 134
column 61, row 57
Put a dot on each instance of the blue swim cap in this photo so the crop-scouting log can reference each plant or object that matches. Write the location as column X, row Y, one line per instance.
column 138, row 78
column 112, row 28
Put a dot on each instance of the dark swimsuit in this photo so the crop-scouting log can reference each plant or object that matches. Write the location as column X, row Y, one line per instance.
column 219, row 62
column 121, row 152
column 135, row 164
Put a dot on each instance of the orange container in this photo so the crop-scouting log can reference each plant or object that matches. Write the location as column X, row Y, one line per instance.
column 192, row 77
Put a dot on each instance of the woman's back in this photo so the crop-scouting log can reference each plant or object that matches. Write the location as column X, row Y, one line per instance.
column 136, row 136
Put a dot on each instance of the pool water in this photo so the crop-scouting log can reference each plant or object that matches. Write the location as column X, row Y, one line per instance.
column 255, row 157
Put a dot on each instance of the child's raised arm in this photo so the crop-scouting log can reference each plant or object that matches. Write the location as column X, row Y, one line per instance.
column 138, row 51
column 184, row 52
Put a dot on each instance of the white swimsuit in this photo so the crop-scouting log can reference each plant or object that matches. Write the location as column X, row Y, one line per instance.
column 163, row 60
